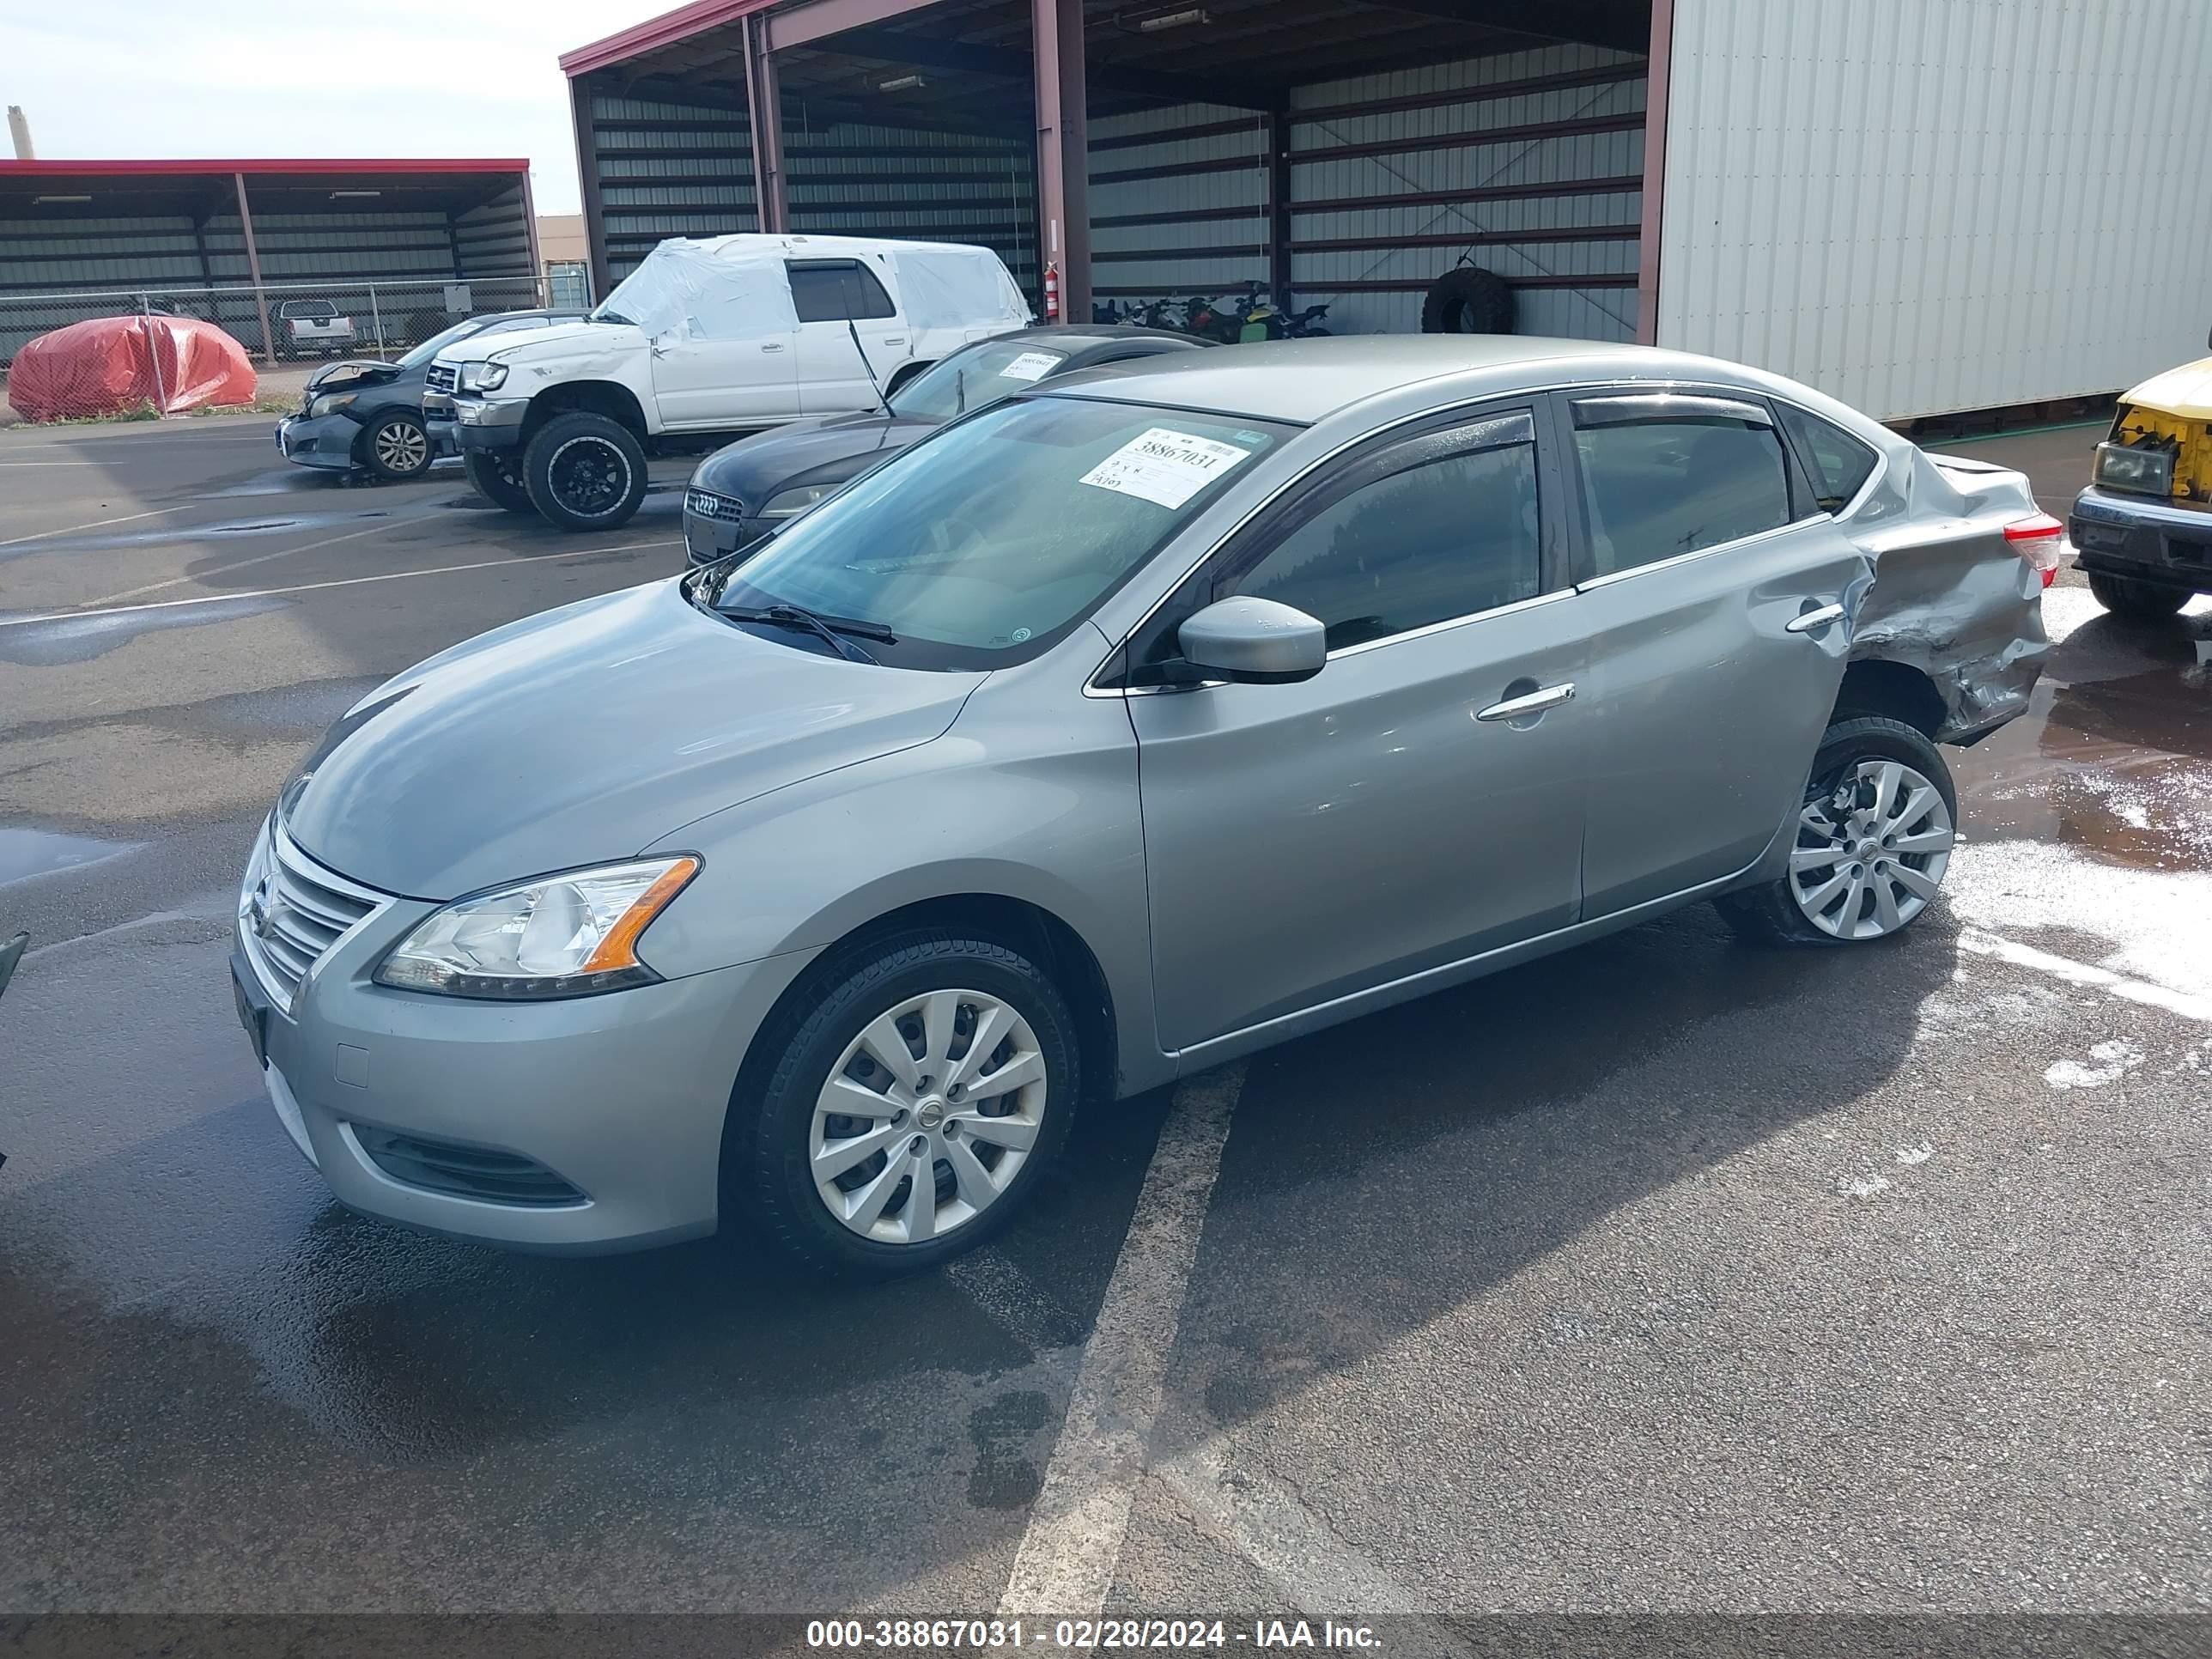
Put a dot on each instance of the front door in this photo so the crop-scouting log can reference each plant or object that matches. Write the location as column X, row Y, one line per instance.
column 1418, row 801
column 1717, row 600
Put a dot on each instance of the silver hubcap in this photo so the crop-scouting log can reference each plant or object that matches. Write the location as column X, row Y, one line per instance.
column 1871, row 853
column 928, row 1116
column 400, row 447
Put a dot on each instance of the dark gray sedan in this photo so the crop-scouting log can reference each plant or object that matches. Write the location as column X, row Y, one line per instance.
column 370, row 415
column 742, row 491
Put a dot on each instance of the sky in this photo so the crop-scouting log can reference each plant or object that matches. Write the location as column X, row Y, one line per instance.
column 140, row 79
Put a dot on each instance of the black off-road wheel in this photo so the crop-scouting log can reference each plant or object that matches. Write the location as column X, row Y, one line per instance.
column 1872, row 840
column 498, row 479
column 2123, row 596
column 585, row 472
column 907, row 1110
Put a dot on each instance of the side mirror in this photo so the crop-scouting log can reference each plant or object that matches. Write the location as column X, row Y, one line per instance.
column 1255, row 641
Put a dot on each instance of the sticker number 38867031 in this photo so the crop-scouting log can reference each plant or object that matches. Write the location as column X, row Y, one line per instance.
column 1163, row 465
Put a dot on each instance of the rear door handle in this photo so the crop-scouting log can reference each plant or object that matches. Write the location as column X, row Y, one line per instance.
column 771, row 345
column 1805, row 621
column 1535, row 702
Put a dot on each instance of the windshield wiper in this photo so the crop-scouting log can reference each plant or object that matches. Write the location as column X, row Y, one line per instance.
column 610, row 316
column 833, row 629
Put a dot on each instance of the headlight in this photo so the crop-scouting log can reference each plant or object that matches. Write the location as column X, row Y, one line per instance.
column 794, row 501
column 331, row 404
column 2146, row 472
column 558, row 936
column 482, row 377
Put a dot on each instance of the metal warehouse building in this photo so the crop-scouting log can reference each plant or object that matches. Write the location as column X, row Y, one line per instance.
column 398, row 246
column 1920, row 206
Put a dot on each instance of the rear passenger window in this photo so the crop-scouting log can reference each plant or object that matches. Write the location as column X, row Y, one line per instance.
column 1838, row 463
column 1663, row 476
column 1436, row 539
column 836, row 291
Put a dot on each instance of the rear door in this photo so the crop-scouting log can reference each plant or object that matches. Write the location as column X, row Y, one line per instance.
column 851, row 336
column 1718, row 601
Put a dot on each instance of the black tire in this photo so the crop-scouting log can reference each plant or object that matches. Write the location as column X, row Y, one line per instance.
column 1469, row 301
column 395, row 446
column 498, row 479
column 585, row 472
column 2124, row 596
column 1770, row 914
column 766, row 1144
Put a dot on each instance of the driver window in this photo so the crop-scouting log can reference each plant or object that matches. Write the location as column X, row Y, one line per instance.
column 1433, row 540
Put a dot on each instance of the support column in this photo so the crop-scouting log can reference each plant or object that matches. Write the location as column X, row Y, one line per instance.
column 1648, row 243
column 764, row 111
column 1063, row 151
column 1277, row 135
column 588, row 176
column 254, row 269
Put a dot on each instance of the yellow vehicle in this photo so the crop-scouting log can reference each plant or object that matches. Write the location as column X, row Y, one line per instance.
column 2143, row 528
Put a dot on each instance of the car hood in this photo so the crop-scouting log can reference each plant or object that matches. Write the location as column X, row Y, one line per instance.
column 2186, row 391
column 584, row 735
column 565, row 341
column 354, row 372
column 829, row 449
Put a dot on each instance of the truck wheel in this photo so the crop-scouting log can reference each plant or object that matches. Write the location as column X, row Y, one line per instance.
column 1468, row 300
column 585, row 472
column 499, row 481
column 2145, row 601
column 396, row 446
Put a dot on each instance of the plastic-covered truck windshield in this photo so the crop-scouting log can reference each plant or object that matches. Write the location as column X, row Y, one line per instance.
column 986, row 543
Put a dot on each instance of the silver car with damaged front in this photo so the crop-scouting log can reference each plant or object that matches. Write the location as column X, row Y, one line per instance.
column 1122, row 728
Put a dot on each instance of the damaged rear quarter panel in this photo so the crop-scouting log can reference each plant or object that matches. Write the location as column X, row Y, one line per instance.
column 1950, row 596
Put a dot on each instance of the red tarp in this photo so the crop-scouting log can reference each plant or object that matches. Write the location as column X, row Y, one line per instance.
column 112, row 365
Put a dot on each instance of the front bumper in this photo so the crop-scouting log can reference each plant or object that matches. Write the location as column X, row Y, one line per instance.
column 479, row 425
column 327, row 443
column 2142, row 538
column 619, row 1099
column 706, row 540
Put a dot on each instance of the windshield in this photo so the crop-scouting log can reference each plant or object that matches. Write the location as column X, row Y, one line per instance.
column 437, row 342
column 984, row 544
column 972, row 377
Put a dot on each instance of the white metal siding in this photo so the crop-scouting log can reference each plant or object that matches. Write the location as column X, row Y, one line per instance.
column 1927, row 205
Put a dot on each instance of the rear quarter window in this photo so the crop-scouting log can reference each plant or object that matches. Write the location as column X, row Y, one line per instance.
column 1838, row 463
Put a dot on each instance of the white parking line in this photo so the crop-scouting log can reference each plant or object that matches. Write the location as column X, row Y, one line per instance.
column 1067, row 1559
column 316, row 587
column 2082, row 973
column 71, row 529
column 241, row 564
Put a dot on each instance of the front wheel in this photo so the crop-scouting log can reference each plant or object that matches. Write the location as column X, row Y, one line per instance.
column 396, row 446
column 907, row 1117
column 2123, row 596
column 585, row 472
column 1872, row 839
column 498, row 480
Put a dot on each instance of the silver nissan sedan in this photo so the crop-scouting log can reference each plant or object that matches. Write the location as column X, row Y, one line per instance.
column 1137, row 722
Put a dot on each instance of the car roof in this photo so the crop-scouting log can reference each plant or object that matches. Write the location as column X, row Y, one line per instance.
column 1072, row 337
column 1303, row 380
column 800, row 245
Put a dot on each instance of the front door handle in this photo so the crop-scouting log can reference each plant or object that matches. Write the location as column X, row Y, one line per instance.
column 1805, row 621
column 1535, row 702
column 771, row 345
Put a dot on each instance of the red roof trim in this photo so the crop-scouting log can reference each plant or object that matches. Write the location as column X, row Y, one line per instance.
column 655, row 33
column 109, row 169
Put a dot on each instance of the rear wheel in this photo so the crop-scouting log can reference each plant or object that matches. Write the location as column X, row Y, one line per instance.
column 498, row 479
column 585, row 472
column 907, row 1118
column 2123, row 596
column 1872, row 839
column 397, row 446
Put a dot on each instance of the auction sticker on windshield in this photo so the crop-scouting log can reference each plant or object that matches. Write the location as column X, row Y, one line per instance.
column 1030, row 366
column 1163, row 465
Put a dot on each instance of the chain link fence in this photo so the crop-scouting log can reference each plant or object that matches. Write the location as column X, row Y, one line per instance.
column 286, row 322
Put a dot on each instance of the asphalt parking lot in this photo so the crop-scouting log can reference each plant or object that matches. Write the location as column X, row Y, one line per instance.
column 1665, row 1275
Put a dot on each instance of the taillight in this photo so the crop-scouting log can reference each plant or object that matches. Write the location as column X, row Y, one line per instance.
column 2039, row 540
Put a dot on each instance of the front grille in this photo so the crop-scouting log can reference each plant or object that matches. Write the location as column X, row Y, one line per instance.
column 295, row 912
column 442, row 1166
column 709, row 506
column 442, row 377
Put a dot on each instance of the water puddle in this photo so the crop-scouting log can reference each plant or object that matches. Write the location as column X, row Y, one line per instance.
column 63, row 640
column 28, row 852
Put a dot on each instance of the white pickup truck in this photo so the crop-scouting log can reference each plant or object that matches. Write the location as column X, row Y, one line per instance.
column 707, row 337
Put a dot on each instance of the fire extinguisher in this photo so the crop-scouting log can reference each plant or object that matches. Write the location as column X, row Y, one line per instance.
column 1052, row 293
